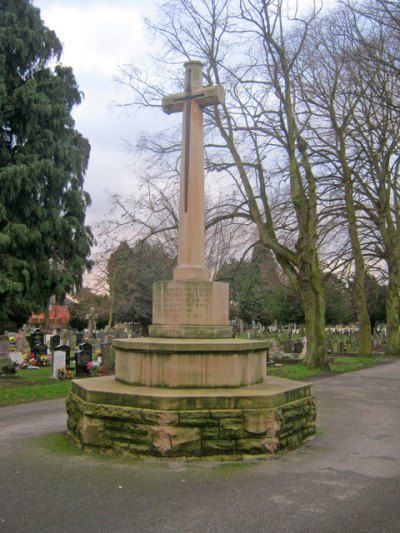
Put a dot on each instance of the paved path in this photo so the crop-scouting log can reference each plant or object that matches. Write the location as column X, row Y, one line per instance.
column 346, row 480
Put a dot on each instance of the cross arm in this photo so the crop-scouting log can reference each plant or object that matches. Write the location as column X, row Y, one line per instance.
column 203, row 96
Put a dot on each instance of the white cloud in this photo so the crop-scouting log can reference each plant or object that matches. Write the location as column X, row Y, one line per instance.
column 97, row 36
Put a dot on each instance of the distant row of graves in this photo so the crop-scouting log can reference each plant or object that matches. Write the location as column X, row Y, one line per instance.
column 69, row 353
column 339, row 341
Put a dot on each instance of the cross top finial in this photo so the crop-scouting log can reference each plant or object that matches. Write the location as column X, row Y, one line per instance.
column 193, row 75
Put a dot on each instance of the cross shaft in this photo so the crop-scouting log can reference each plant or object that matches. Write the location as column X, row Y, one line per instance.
column 191, row 206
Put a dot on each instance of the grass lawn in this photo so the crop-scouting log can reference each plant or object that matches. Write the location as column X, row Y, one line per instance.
column 338, row 365
column 30, row 386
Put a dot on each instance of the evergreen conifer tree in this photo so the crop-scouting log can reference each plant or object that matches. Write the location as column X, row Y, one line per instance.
column 44, row 243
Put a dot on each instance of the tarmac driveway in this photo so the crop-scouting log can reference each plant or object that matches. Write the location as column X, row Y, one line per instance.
column 346, row 480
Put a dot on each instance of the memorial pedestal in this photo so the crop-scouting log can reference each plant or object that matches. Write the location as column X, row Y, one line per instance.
column 190, row 389
column 190, row 309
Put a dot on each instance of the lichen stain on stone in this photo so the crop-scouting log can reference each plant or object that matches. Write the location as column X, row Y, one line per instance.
column 261, row 422
column 271, row 444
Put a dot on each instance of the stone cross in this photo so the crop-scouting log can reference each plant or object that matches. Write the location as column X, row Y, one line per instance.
column 91, row 317
column 191, row 244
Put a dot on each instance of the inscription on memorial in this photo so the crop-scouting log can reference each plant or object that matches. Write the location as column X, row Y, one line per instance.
column 182, row 303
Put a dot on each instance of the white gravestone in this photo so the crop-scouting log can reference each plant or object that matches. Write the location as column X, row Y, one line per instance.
column 16, row 357
column 58, row 362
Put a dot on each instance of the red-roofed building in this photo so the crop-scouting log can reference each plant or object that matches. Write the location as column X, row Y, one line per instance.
column 58, row 315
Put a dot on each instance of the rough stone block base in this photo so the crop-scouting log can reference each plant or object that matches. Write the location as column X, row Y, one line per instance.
column 112, row 418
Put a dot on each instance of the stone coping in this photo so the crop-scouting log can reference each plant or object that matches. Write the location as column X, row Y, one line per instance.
column 271, row 393
column 158, row 344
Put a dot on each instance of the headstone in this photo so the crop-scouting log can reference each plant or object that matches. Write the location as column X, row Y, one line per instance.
column 108, row 358
column 61, row 358
column 287, row 346
column 101, row 336
column 16, row 357
column 4, row 361
column 67, row 349
column 25, row 331
column 354, row 344
column 54, row 341
column 4, row 345
column 79, row 338
column 36, row 337
column 82, row 357
column 91, row 317
column 12, row 338
column 297, row 346
column 40, row 351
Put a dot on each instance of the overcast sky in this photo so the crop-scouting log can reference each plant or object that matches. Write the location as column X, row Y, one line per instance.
column 97, row 37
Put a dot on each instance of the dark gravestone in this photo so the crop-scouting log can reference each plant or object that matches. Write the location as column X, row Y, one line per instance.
column 287, row 346
column 297, row 346
column 40, row 350
column 54, row 341
column 37, row 337
column 82, row 357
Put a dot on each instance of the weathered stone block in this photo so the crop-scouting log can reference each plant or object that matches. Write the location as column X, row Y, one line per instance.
column 167, row 440
column 196, row 418
column 128, row 427
column 161, row 418
column 92, row 431
column 231, row 428
column 270, row 444
column 210, row 432
column 122, row 413
column 228, row 413
column 250, row 446
column 216, row 447
column 127, row 436
column 261, row 422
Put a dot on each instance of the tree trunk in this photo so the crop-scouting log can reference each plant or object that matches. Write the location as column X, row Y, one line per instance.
column 111, row 300
column 312, row 294
column 46, row 325
column 392, row 312
column 359, row 296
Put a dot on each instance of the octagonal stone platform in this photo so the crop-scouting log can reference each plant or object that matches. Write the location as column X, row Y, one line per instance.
column 107, row 416
column 158, row 362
